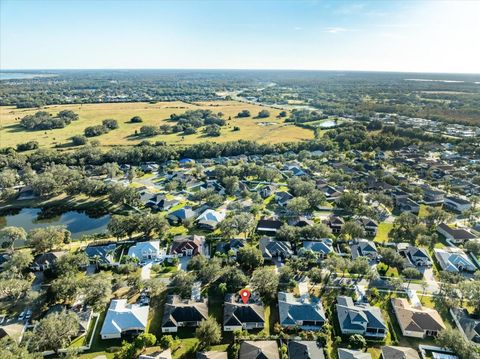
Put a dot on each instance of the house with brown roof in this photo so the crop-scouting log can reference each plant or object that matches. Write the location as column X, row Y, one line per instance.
column 455, row 235
column 417, row 322
column 188, row 246
column 259, row 349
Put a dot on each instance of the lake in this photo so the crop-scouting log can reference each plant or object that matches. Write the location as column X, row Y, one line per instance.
column 79, row 223
column 20, row 75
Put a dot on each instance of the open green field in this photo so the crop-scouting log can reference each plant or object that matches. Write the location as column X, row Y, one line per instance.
column 11, row 133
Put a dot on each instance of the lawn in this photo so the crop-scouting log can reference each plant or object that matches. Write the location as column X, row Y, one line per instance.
column 382, row 233
column 153, row 115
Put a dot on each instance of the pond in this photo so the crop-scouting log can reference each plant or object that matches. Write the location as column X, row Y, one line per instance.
column 328, row 124
column 77, row 222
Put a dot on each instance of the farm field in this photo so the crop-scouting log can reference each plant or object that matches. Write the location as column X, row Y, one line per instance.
column 11, row 133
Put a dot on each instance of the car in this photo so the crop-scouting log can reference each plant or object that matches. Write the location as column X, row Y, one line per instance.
column 28, row 314
column 21, row 316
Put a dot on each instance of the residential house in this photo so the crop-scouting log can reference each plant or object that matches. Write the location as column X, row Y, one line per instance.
column 454, row 260
column 352, row 354
column 166, row 204
column 364, row 248
column 259, row 349
column 183, row 313
column 391, row 352
column 369, row 225
column 123, row 318
column 187, row 246
column 233, row 245
column 457, row 204
column 360, row 318
column 455, row 235
column 101, row 254
column 302, row 312
column 145, row 251
column 417, row 256
column 408, row 205
column 46, row 260
column 336, row 224
column 242, row 316
column 181, row 215
column 282, row 198
column 210, row 219
column 466, row 324
column 301, row 222
column 273, row 249
column 331, row 193
column 417, row 322
column 322, row 247
column 305, row 349
column 433, row 196
column 82, row 312
column 268, row 226
column 267, row 191
column 13, row 330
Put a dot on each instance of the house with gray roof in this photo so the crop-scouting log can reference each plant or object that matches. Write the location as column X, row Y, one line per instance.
column 416, row 256
column 452, row 259
column 181, row 215
column 360, row 318
column 352, row 354
column 305, row 349
column 322, row 247
column 273, row 249
column 364, row 248
column 392, row 352
column 457, row 204
column 302, row 312
column 102, row 254
column 242, row 316
column 466, row 324
column 122, row 318
column 183, row 313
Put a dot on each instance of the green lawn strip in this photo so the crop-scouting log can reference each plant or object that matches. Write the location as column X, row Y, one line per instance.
column 382, row 233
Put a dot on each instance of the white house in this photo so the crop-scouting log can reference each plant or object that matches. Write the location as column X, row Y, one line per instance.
column 145, row 250
column 454, row 260
column 122, row 318
column 457, row 204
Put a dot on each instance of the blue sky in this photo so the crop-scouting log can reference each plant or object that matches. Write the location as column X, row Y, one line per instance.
column 430, row 36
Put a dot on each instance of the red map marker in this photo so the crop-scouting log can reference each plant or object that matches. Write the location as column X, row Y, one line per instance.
column 245, row 294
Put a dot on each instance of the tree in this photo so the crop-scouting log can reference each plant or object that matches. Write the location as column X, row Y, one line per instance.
column 263, row 114
column 182, row 283
column 18, row 262
column 298, row 206
column 166, row 341
column 110, row 124
column 244, row 113
column 208, row 332
column 54, row 332
column 435, row 216
column 11, row 234
column 145, row 340
column 406, row 227
column 250, row 257
column 234, row 279
column 265, row 282
column 352, row 230
column 70, row 263
column 212, row 130
column 357, row 341
column 236, row 224
column 127, row 195
column 66, row 288
column 473, row 246
column 391, row 258
column 350, row 201
column 453, row 339
column 97, row 290
column 14, row 288
column 9, row 349
column 79, row 140
column 153, row 223
column 136, row 119
column 360, row 266
column 47, row 238
column 231, row 184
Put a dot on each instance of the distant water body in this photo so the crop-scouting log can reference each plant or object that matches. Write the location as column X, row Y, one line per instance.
column 21, row 75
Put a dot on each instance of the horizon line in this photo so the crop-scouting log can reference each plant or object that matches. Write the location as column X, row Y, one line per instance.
column 232, row 69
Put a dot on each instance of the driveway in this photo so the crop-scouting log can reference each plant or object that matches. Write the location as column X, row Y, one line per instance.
column 146, row 269
column 183, row 263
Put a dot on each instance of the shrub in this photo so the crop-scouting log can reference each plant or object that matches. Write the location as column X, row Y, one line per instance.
column 110, row 124
column 244, row 113
column 27, row 146
column 92, row 131
column 79, row 140
column 136, row 119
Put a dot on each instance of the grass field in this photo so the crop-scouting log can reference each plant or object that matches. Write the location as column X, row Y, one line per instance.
column 11, row 133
